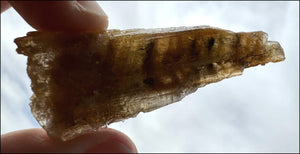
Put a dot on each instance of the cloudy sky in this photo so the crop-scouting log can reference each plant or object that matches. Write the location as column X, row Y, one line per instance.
column 255, row 112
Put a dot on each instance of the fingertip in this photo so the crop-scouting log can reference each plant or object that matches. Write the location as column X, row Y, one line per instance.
column 4, row 6
column 119, row 137
column 37, row 141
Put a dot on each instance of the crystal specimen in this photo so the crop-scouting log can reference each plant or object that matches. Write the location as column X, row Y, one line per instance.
column 85, row 80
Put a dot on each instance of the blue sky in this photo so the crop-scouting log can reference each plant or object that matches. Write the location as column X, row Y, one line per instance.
column 255, row 112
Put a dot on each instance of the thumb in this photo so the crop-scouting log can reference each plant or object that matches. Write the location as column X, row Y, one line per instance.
column 4, row 6
column 62, row 15
column 37, row 141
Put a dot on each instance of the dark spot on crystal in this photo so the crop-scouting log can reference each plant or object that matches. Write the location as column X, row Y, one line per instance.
column 149, row 81
column 210, row 66
column 193, row 44
column 147, row 60
column 149, row 49
column 211, row 43
column 193, row 51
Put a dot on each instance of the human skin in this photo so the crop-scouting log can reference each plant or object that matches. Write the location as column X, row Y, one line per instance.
column 72, row 16
column 61, row 15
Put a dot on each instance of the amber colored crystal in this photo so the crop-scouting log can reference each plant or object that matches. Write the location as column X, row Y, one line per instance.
column 82, row 81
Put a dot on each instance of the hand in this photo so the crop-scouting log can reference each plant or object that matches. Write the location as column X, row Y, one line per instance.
column 64, row 16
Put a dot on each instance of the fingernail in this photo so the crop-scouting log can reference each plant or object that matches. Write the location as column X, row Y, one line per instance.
column 110, row 147
column 92, row 7
column 93, row 13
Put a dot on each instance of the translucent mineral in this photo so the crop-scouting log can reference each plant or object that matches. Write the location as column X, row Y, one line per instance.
column 82, row 81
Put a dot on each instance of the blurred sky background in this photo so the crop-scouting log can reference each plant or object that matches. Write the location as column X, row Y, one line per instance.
column 255, row 112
